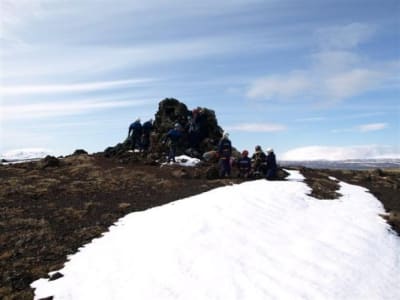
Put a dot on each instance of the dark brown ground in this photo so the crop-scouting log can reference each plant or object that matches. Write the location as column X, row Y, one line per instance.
column 49, row 209
column 383, row 184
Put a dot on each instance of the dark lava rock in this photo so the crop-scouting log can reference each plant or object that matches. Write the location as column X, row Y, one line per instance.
column 201, row 132
column 56, row 276
column 79, row 152
column 50, row 161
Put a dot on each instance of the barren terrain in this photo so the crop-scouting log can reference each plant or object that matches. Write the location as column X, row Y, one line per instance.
column 50, row 208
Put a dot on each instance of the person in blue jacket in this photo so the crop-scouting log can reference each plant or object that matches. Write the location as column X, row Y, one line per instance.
column 225, row 152
column 172, row 138
column 135, row 133
column 244, row 165
column 271, row 164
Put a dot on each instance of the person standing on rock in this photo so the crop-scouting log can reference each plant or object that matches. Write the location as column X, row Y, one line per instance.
column 271, row 164
column 225, row 152
column 135, row 133
column 146, row 130
column 172, row 138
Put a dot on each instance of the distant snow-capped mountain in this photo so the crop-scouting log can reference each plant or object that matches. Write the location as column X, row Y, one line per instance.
column 24, row 154
column 355, row 164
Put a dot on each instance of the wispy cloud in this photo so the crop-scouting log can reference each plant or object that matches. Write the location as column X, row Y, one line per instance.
column 350, row 83
column 311, row 119
column 363, row 128
column 372, row 127
column 344, row 37
column 69, row 88
column 281, row 87
column 337, row 72
column 257, row 127
column 63, row 108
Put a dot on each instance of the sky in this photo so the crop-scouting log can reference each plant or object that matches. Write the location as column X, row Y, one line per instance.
column 256, row 240
column 307, row 78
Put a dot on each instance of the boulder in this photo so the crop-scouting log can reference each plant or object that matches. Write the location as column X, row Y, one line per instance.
column 79, row 152
column 50, row 161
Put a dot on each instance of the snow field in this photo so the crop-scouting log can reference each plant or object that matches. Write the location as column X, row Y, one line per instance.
column 256, row 240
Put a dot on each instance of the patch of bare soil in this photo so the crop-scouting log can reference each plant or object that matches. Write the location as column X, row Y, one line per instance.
column 49, row 209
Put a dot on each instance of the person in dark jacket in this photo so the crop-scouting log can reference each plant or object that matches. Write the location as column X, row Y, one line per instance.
column 146, row 130
column 135, row 133
column 225, row 152
column 244, row 165
column 271, row 164
column 172, row 138
column 259, row 161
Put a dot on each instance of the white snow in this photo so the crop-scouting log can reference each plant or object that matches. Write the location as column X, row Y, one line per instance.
column 184, row 161
column 257, row 240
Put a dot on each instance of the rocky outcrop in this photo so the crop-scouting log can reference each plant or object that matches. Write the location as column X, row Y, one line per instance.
column 200, row 129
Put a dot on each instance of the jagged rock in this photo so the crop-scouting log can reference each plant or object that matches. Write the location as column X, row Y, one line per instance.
column 56, row 276
column 200, row 126
column 79, row 152
column 201, row 132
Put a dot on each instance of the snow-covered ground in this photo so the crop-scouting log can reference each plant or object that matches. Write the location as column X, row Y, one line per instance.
column 256, row 240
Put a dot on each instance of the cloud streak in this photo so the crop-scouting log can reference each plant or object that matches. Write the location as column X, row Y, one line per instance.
column 336, row 73
column 344, row 37
column 257, row 127
column 372, row 127
column 69, row 88
column 63, row 108
column 364, row 128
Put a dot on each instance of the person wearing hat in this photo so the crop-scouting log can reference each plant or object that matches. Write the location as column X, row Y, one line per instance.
column 271, row 164
column 225, row 152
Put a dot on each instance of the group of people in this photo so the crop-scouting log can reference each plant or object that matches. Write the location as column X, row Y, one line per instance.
column 260, row 165
column 139, row 135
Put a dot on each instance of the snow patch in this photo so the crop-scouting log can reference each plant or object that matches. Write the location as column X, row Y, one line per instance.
column 257, row 240
column 184, row 161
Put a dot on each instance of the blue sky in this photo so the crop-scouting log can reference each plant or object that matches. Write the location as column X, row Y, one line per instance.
column 308, row 78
